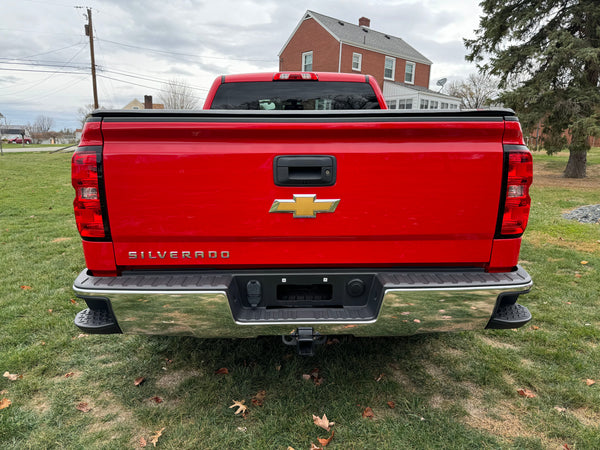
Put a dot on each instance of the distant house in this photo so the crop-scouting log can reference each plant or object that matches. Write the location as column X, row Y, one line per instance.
column 148, row 104
column 324, row 44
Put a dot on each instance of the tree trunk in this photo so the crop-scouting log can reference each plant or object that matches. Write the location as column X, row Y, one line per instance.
column 577, row 164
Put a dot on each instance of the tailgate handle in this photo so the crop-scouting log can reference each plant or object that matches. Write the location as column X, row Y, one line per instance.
column 304, row 170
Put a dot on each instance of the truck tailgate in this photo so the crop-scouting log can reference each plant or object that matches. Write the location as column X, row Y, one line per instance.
column 197, row 191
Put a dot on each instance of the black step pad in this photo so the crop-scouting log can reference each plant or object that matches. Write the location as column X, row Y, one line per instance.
column 509, row 316
column 96, row 322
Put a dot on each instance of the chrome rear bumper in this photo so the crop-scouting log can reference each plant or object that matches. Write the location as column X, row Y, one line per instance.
column 206, row 304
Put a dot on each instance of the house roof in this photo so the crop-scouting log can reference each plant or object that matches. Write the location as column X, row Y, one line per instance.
column 364, row 37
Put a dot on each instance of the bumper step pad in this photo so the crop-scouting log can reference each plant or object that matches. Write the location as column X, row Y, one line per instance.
column 96, row 322
column 509, row 316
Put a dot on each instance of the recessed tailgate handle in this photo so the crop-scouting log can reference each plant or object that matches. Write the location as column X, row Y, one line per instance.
column 304, row 170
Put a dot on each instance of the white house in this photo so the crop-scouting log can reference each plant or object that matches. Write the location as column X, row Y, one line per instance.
column 403, row 96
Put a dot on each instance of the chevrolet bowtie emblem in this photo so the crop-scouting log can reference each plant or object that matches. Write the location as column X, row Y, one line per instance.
column 304, row 206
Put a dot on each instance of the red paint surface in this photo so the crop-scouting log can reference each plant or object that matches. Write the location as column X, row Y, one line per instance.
column 418, row 193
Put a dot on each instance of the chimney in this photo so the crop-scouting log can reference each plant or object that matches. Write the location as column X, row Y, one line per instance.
column 364, row 22
column 148, row 102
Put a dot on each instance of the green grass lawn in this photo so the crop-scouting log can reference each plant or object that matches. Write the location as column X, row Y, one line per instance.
column 450, row 390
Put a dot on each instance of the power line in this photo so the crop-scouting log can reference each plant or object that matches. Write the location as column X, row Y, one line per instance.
column 142, row 85
column 186, row 54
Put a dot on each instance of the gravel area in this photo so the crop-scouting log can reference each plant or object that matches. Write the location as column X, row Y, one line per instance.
column 585, row 214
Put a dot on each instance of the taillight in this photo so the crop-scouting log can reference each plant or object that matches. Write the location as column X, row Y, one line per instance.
column 284, row 76
column 87, row 203
column 517, row 201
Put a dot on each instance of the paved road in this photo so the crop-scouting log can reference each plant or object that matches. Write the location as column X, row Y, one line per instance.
column 30, row 148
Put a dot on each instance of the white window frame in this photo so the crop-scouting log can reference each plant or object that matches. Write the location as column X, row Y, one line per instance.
column 414, row 68
column 392, row 104
column 389, row 58
column 304, row 65
column 359, row 68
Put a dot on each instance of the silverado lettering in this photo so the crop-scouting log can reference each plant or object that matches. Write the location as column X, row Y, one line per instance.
column 178, row 254
column 333, row 211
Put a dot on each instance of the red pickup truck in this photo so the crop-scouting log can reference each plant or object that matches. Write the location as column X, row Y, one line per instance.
column 297, row 201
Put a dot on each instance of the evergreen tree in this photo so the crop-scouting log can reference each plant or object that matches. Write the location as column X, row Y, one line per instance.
column 547, row 56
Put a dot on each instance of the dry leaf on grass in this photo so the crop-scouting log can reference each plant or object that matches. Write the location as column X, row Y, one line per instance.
column 590, row 382
column 368, row 412
column 74, row 302
column 313, row 375
column 69, row 375
column 83, row 407
column 26, row 288
column 526, row 393
column 391, row 404
column 5, row 403
column 154, row 439
column 242, row 429
column 259, row 398
column 560, row 409
column 380, row 377
column 3, row 392
column 323, row 422
column 416, row 321
column 584, row 262
column 535, row 327
column 156, row 399
column 12, row 376
column 315, row 447
column 222, row 371
column 324, row 442
column 143, row 442
column 350, row 326
column 80, row 335
column 139, row 380
column 241, row 408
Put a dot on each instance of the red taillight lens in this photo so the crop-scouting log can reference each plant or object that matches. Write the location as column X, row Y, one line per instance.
column 87, row 206
column 517, row 201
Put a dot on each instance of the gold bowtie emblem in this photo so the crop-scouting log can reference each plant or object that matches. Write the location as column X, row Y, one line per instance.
column 304, row 206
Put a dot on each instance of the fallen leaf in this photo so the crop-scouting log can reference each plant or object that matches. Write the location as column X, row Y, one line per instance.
column 405, row 313
column 446, row 317
column 290, row 448
column 590, row 382
column 535, row 327
column 526, row 393
column 4, row 403
column 559, row 409
column 306, row 376
column 259, row 398
column 139, row 380
column 416, row 321
column 26, row 288
column 50, row 311
column 74, row 302
column 242, row 429
column 3, row 392
column 222, row 371
column 323, row 422
column 577, row 275
column 368, row 412
column 324, row 441
column 566, row 447
column 350, row 326
column 315, row 447
column 241, row 408
column 379, row 378
column 80, row 335
column 12, row 376
column 391, row 404
column 278, row 367
column 169, row 361
column 154, row 439
column 156, row 399
column 83, row 407
column 69, row 375
column 143, row 442
column 584, row 262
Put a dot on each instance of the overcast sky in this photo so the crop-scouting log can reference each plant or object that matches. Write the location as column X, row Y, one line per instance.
column 141, row 44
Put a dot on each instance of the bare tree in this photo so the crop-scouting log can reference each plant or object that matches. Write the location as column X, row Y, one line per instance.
column 477, row 91
column 84, row 112
column 177, row 94
column 42, row 124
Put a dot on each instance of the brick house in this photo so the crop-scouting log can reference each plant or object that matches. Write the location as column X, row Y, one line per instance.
column 324, row 44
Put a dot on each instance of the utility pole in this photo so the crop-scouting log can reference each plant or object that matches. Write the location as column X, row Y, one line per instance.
column 89, row 31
